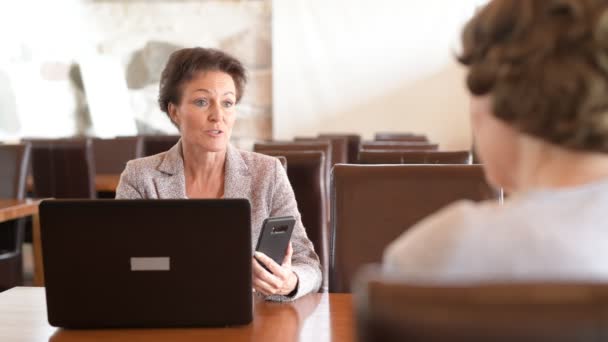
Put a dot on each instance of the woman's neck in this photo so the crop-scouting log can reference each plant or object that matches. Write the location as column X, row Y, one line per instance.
column 204, row 172
column 545, row 166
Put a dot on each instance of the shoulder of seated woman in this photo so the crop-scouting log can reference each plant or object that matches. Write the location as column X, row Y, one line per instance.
column 146, row 163
column 254, row 159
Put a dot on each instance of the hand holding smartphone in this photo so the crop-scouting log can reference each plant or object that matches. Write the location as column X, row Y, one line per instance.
column 275, row 236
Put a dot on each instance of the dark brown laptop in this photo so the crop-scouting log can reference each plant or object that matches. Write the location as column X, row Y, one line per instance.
column 147, row 263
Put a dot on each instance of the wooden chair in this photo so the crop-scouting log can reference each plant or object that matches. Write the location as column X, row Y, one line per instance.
column 112, row 155
column 339, row 148
column 374, row 204
column 306, row 174
column 277, row 146
column 389, row 309
column 352, row 140
column 155, row 144
column 13, row 174
column 63, row 168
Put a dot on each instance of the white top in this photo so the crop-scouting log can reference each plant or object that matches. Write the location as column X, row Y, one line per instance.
column 541, row 235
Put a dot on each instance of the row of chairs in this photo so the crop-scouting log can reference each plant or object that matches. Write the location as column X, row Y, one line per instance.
column 347, row 202
column 307, row 167
column 60, row 168
column 66, row 168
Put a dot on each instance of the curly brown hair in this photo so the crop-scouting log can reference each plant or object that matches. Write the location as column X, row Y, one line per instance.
column 545, row 63
column 184, row 64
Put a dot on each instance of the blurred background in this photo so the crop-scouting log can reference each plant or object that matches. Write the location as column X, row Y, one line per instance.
column 91, row 67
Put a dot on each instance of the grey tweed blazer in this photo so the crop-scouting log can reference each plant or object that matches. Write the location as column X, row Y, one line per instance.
column 260, row 179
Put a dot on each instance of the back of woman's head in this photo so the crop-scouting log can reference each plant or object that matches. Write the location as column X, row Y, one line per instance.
column 545, row 64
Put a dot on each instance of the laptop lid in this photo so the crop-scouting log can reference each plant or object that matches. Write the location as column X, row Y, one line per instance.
column 147, row 263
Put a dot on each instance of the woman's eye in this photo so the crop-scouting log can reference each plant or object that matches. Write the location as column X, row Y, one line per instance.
column 228, row 104
column 200, row 102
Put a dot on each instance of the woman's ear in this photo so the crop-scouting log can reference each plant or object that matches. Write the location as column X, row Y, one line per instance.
column 173, row 114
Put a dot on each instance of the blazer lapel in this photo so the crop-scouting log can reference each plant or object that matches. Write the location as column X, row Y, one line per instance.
column 172, row 183
column 237, row 181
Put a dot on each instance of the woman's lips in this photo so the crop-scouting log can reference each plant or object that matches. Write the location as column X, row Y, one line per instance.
column 214, row 132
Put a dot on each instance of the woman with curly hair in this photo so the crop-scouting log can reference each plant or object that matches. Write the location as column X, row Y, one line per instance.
column 538, row 78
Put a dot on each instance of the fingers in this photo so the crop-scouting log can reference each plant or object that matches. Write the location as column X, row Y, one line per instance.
column 282, row 280
column 263, row 287
column 269, row 263
column 263, row 281
column 288, row 255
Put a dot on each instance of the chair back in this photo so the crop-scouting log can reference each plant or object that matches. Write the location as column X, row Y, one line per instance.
column 63, row 168
column 14, row 161
column 339, row 148
column 400, row 137
column 306, row 174
column 322, row 146
column 112, row 155
column 372, row 205
column 399, row 145
column 388, row 309
column 353, row 142
column 155, row 144
column 414, row 157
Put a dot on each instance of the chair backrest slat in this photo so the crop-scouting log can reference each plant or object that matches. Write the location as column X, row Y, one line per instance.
column 414, row 157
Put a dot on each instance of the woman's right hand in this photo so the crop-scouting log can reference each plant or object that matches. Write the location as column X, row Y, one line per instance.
column 278, row 279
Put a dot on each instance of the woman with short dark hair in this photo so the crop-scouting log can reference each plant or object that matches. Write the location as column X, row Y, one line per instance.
column 538, row 75
column 199, row 89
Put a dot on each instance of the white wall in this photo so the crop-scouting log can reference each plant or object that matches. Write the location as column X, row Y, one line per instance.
column 41, row 40
column 367, row 66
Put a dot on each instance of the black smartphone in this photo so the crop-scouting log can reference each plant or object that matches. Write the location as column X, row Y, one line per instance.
column 274, row 237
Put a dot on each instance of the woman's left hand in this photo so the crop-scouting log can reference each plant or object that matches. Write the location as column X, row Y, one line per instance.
column 281, row 280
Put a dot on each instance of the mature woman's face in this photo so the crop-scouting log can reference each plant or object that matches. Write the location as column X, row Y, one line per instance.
column 206, row 112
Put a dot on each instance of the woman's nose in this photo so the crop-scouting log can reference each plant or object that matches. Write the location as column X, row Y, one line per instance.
column 215, row 113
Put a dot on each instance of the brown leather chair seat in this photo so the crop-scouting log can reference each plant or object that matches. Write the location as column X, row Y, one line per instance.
column 306, row 174
column 388, row 309
column 414, row 157
column 373, row 204
column 13, row 174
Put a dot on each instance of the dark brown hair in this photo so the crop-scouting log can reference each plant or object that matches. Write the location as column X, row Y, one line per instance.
column 184, row 64
column 545, row 63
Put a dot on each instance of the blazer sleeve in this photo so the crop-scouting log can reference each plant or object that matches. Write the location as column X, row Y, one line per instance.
column 127, row 186
column 305, row 262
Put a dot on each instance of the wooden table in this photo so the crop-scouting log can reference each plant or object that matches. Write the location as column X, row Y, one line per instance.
column 11, row 209
column 106, row 182
column 316, row 317
column 103, row 182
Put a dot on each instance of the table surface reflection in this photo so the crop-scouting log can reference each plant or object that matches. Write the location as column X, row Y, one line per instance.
column 316, row 317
